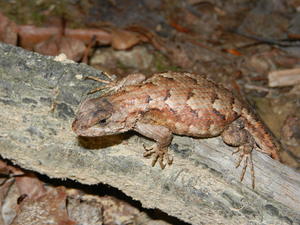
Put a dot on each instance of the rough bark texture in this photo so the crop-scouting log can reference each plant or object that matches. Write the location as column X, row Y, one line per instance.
column 38, row 100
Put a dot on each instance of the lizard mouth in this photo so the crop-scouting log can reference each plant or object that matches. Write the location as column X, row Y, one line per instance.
column 84, row 130
column 79, row 128
column 76, row 126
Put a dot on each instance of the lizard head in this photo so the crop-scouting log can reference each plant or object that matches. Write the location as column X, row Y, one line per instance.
column 96, row 117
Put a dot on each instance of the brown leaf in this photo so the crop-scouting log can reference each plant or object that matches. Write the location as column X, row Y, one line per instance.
column 30, row 185
column 48, row 209
column 48, row 47
column 179, row 27
column 123, row 39
column 4, row 168
column 31, row 35
column 8, row 30
column 102, row 36
column 4, row 189
column 71, row 47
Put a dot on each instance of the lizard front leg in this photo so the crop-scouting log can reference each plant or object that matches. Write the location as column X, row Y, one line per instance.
column 163, row 137
column 236, row 135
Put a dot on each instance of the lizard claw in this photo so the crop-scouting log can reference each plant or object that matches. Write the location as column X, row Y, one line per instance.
column 159, row 154
column 246, row 155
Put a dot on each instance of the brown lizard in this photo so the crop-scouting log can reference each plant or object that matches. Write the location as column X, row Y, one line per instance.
column 175, row 103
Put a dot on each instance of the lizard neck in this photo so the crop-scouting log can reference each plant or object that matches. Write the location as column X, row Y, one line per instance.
column 129, row 104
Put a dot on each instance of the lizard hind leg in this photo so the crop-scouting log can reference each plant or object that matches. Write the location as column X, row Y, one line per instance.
column 246, row 156
column 235, row 135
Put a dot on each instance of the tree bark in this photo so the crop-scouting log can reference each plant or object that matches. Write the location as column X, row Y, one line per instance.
column 38, row 101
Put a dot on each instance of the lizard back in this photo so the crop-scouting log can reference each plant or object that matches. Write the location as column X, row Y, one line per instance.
column 186, row 103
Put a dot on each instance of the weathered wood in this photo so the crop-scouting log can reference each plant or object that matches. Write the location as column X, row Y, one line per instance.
column 38, row 98
column 281, row 78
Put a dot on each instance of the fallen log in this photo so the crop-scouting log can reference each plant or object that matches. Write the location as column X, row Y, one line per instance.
column 38, row 100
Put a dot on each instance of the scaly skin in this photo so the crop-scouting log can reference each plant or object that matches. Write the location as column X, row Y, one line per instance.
column 175, row 103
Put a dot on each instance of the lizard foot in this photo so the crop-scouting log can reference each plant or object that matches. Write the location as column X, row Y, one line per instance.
column 246, row 155
column 159, row 154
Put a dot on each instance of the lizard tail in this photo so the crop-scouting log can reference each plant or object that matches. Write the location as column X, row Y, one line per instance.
column 262, row 135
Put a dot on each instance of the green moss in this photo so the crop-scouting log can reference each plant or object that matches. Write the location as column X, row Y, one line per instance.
column 162, row 64
column 37, row 12
column 122, row 66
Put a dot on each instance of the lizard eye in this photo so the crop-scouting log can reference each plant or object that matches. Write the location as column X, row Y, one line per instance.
column 103, row 121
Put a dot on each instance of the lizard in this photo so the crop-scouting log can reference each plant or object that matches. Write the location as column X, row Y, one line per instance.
column 175, row 103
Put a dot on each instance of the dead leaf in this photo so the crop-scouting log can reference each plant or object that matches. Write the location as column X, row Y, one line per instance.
column 72, row 48
column 8, row 30
column 178, row 27
column 4, row 188
column 47, row 209
column 30, row 185
column 102, row 36
column 123, row 39
column 233, row 52
column 31, row 35
column 4, row 168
